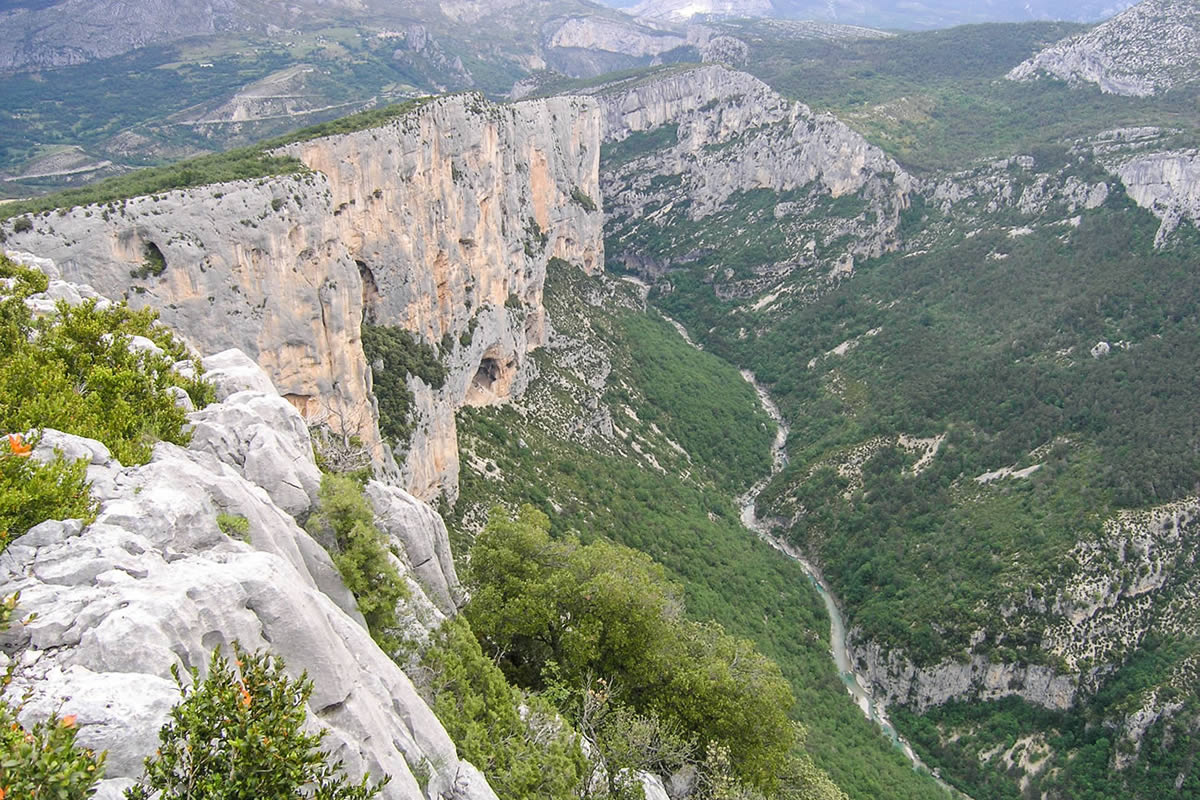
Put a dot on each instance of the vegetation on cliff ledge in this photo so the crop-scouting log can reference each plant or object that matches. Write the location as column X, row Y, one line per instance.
column 77, row 370
column 242, row 163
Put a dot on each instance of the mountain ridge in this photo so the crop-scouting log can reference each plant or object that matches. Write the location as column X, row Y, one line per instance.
column 1148, row 49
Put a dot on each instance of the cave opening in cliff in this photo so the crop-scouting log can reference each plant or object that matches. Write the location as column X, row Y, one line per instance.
column 154, row 263
column 370, row 291
column 487, row 374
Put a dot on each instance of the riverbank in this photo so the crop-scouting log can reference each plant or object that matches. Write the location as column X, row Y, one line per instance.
column 875, row 710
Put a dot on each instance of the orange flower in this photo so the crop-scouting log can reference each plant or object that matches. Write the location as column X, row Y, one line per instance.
column 67, row 722
column 2, row 793
column 18, row 447
column 245, row 696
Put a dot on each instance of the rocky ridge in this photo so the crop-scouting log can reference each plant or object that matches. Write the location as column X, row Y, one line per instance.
column 1135, row 580
column 1149, row 48
column 706, row 139
column 683, row 10
column 109, row 607
column 440, row 222
column 1140, row 161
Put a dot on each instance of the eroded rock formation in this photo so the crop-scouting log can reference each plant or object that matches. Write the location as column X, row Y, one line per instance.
column 154, row 582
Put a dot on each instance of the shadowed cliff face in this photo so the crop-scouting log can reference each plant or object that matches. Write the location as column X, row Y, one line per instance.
column 441, row 222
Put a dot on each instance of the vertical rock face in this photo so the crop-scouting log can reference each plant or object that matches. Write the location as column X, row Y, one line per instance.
column 1167, row 184
column 441, row 222
column 703, row 158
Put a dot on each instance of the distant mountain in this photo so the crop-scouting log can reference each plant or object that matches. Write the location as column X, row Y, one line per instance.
column 1149, row 48
column 53, row 33
column 141, row 81
column 37, row 34
column 882, row 13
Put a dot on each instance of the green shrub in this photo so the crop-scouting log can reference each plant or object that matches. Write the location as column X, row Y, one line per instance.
column 154, row 265
column 237, row 164
column 43, row 760
column 559, row 613
column 361, row 556
column 400, row 354
column 532, row 756
column 75, row 371
column 31, row 492
column 582, row 199
column 240, row 733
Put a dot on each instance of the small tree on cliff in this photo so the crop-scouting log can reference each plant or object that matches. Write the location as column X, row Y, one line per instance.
column 239, row 735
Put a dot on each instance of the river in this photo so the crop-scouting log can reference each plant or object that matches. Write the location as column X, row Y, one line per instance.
column 856, row 684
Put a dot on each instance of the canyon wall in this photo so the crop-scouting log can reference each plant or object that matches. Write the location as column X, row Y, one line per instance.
column 702, row 159
column 441, row 221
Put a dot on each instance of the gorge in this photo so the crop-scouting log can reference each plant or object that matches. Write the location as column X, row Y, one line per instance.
column 945, row 324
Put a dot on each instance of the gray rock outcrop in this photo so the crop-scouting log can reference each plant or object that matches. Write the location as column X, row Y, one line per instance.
column 1167, row 184
column 155, row 583
column 894, row 679
column 694, row 144
column 614, row 36
column 1149, row 48
column 160, row 578
column 422, row 537
column 261, row 435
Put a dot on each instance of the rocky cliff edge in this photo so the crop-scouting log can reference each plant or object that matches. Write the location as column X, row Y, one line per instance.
column 110, row 607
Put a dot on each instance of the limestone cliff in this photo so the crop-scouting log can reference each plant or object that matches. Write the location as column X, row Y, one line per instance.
column 1167, row 184
column 1149, row 48
column 1134, row 580
column 441, row 222
column 702, row 161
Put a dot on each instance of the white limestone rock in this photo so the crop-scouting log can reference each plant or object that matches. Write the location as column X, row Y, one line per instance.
column 652, row 787
column 1167, row 184
column 265, row 439
column 154, row 582
column 1149, row 48
column 734, row 134
column 893, row 678
column 232, row 371
column 421, row 534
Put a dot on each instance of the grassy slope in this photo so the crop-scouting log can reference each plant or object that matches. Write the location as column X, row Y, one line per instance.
column 684, row 517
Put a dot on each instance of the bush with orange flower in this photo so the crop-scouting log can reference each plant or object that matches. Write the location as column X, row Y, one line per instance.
column 77, row 371
column 42, row 761
column 239, row 733
column 31, row 492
